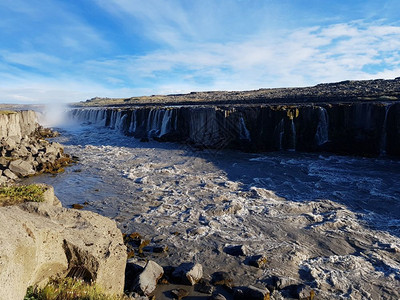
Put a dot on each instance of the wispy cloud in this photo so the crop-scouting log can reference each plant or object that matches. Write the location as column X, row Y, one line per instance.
column 60, row 50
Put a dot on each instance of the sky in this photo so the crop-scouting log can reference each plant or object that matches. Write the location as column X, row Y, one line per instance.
column 59, row 51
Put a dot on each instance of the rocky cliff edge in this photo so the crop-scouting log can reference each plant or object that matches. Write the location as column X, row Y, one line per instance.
column 43, row 240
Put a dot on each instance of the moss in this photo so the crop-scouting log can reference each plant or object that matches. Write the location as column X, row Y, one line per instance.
column 15, row 194
column 69, row 289
column 7, row 112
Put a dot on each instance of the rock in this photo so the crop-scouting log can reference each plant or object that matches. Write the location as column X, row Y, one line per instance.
column 40, row 241
column 4, row 162
column 239, row 250
column 305, row 292
column 147, row 280
column 258, row 261
column 255, row 293
column 10, row 174
column 217, row 296
column 21, row 168
column 180, row 293
column 204, row 286
column 188, row 273
column 3, row 180
column 222, row 278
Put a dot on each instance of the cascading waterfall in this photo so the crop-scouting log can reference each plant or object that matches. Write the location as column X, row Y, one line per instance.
column 372, row 126
column 384, row 133
column 132, row 126
column 244, row 133
column 280, row 133
column 322, row 135
column 166, row 123
column 292, row 147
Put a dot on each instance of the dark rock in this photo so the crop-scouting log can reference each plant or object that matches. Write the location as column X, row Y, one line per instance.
column 305, row 292
column 255, row 293
column 258, row 261
column 217, row 296
column 179, row 293
column 204, row 286
column 239, row 250
column 222, row 278
column 77, row 206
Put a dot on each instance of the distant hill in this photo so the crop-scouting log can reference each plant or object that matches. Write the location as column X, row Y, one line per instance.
column 344, row 91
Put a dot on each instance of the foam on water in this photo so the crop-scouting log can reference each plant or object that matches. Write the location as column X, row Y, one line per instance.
column 309, row 212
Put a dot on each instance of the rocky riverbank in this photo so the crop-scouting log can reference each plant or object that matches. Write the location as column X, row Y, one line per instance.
column 24, row 150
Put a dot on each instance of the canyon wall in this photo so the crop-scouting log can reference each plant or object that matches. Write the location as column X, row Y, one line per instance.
column 360, row 128
column 17, row 123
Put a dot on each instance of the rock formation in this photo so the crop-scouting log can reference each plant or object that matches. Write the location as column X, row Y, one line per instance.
column 44, row 240
column 361, row 128
column 23, row 150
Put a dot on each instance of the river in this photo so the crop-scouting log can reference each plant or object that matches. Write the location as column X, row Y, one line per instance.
column 330, row 222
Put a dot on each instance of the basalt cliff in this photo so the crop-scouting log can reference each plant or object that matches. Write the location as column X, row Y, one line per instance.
column 350, row 117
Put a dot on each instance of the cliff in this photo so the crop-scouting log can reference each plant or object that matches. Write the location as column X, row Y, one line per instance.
column 360, row 128
column 17, row 124
column 23, row 149
column 42, row 240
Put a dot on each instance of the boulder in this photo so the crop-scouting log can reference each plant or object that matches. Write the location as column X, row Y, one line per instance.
column 21, row 168
column 237, row 250
column 10, row 174
column 188, row 273
column 40, row 241
column 147, row 280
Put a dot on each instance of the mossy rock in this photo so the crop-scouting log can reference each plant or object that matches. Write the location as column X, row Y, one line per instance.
column 16, row 194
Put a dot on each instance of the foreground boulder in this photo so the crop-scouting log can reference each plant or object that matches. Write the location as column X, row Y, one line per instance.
column 40, row 240
column 147, row 280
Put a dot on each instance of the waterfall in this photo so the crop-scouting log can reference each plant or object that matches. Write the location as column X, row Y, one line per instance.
column 244, row 133
column 293, row 135
column 113, row 119
column 384, row 133
column 120, row 120
column 279, row 133
column 166, row 123
column 93, row 116
column 321, row 135
column 132, row 126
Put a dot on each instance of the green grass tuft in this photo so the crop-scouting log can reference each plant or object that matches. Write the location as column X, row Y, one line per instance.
column 12, row 195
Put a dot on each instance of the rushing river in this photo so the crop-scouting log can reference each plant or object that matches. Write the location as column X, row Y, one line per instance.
column 331, row 222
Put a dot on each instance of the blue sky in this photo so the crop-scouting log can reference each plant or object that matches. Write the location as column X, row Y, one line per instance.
column 72, row 50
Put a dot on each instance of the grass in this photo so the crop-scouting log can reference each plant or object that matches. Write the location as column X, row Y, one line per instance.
column 15, row 194
column 69, row 289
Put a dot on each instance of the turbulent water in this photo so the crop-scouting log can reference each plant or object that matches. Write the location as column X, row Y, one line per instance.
column 330, row 222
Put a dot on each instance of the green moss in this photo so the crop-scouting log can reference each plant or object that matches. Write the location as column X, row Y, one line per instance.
column 12, row 195
column 7, row 112
column 69, row 289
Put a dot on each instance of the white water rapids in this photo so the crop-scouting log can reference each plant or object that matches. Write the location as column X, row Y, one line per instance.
column 330, row 222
